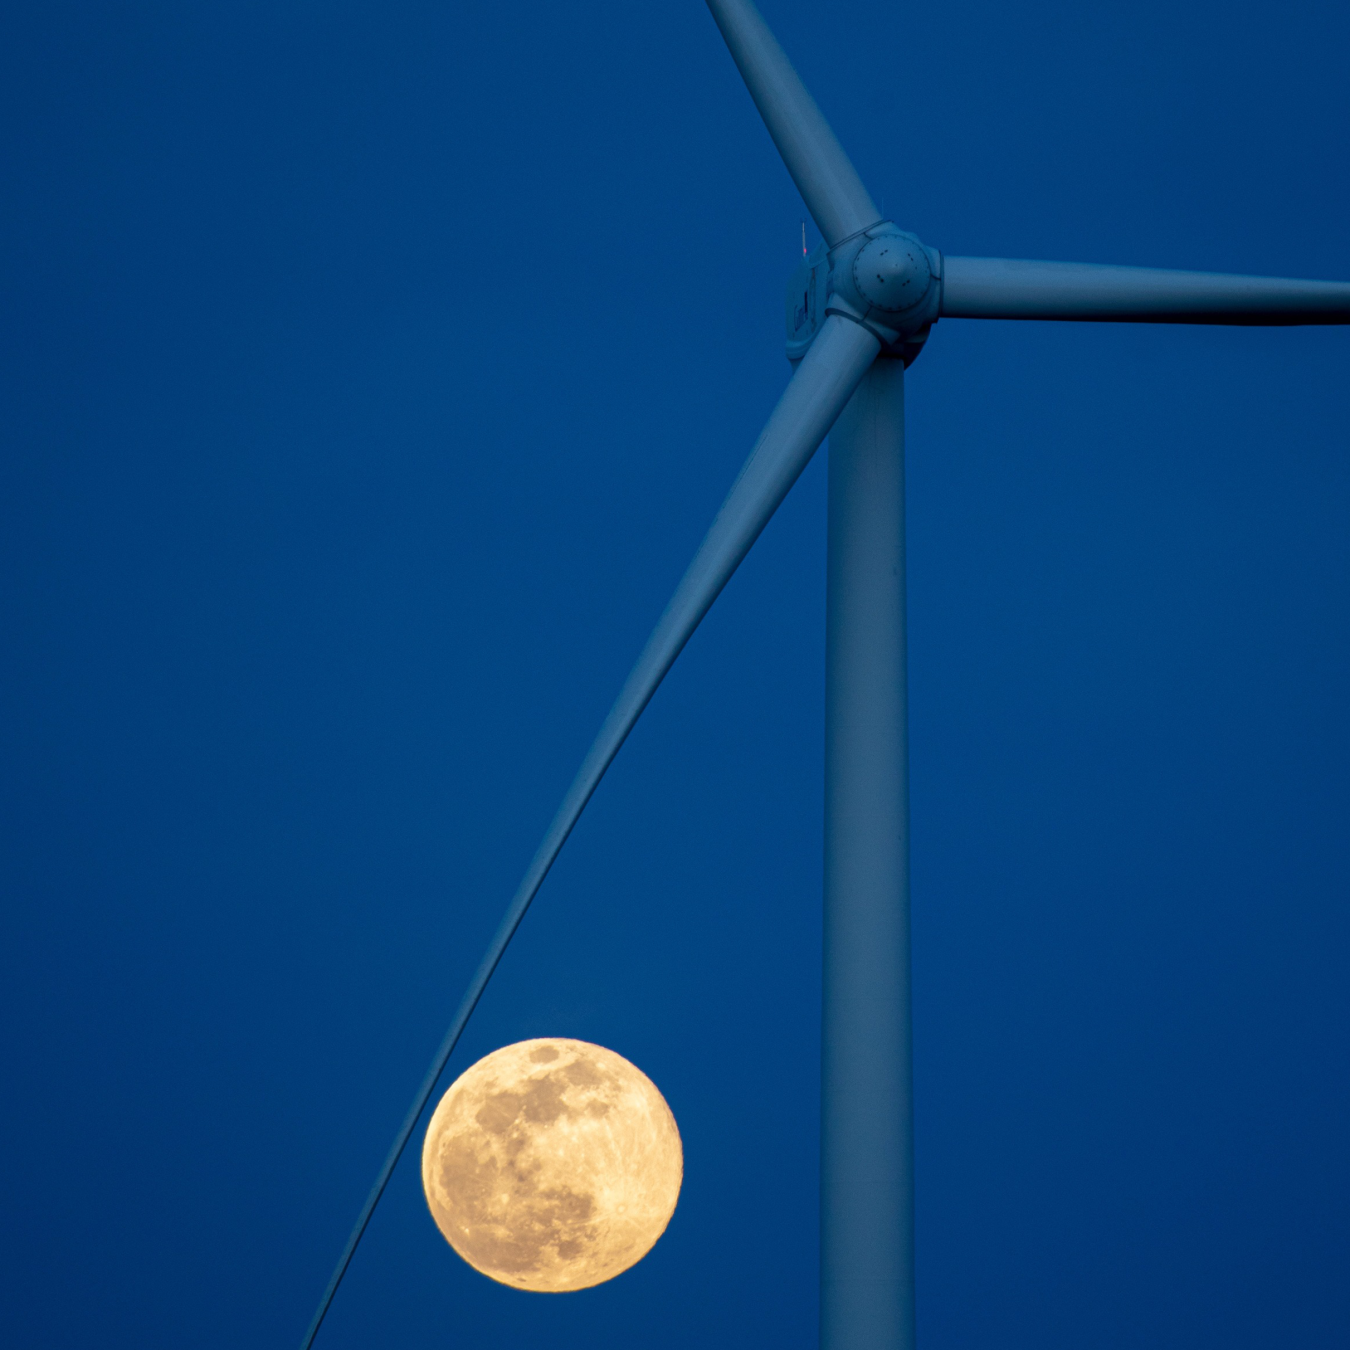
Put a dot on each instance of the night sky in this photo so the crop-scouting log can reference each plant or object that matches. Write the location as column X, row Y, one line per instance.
column 370, row 373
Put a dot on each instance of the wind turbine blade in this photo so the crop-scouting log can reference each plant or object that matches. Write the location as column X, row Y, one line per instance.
column 1009, row 288
column 824, row 382
column 823, row 173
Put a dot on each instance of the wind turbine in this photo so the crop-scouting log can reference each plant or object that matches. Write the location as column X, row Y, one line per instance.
column 859, row 310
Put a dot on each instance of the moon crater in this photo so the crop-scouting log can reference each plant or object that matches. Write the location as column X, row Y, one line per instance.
column 552, row 1165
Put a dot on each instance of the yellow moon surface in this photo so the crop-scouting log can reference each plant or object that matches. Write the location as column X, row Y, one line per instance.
column 552, row 1165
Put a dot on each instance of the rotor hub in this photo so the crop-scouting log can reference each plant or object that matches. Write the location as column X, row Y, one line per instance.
column 882, row 278
column 891, row 272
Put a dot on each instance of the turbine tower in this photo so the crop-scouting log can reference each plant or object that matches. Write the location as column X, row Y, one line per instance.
column 859, row 310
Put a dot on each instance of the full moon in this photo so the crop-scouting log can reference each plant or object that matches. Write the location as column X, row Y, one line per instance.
column 552, row 1165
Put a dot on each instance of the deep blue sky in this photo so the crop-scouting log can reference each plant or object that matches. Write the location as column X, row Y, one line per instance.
column 371, row 372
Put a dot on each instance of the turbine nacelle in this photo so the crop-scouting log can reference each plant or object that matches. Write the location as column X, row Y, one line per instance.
column 882, row 278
